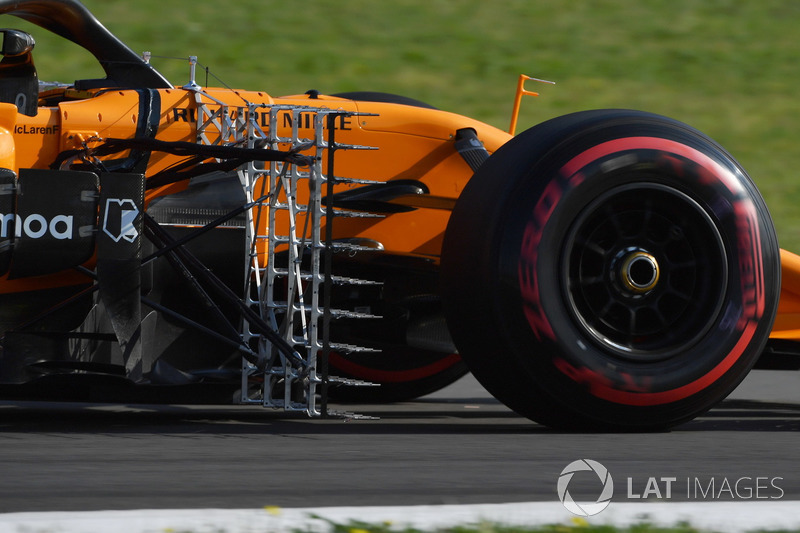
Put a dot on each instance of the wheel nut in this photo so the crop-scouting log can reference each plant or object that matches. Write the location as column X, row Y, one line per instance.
column 640, row 272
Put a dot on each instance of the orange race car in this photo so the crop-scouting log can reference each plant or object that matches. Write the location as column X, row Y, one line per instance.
column 607, row 269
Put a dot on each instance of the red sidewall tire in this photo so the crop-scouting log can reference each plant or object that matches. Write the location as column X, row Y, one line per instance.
column 402, row 373
column 568, row 206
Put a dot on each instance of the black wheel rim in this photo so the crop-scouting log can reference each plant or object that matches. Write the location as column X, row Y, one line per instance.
column 644, row 272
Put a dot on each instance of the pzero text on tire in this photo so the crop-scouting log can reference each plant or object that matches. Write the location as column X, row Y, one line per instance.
column 624, row 272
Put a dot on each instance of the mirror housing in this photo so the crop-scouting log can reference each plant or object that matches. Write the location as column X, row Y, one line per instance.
column 16, row 43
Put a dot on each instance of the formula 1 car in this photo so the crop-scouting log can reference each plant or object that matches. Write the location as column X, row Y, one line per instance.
column 608, row 269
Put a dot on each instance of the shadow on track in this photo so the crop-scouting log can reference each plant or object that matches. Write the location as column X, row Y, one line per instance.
column 450, row 416
column 748, row 415
column 422, row 417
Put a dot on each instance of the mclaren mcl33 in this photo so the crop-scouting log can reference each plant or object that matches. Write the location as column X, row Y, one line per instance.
column 608, row 269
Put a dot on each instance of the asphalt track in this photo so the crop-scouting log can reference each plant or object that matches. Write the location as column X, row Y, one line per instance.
column 458, row 446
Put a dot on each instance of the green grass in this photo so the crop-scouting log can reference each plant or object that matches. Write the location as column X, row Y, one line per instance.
column 728, row 67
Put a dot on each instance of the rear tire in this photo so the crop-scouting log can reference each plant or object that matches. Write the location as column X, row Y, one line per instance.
column 402, row 373
column 415, row 356
column 624, row 272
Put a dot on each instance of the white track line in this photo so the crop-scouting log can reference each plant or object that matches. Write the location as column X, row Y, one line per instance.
column 727, row 517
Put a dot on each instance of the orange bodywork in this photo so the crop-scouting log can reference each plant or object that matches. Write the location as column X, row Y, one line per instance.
column 413, row 143
column 787, row 323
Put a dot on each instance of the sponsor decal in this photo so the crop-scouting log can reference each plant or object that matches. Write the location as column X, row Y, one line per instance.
column 36, row 226
column 24, row 129
column 285, row 119
column 119, row 219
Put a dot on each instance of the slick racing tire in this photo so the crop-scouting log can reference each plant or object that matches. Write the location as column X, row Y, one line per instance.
column 410, row 352
column 401, row 373
column 610, row 270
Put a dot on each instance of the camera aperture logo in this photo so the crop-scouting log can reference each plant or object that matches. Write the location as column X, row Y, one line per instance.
column 588, row 508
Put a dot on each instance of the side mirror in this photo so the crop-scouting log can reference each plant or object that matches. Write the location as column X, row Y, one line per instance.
column 16, row 43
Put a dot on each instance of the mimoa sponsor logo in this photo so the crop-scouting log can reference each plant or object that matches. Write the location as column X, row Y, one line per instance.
column 36, row 226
